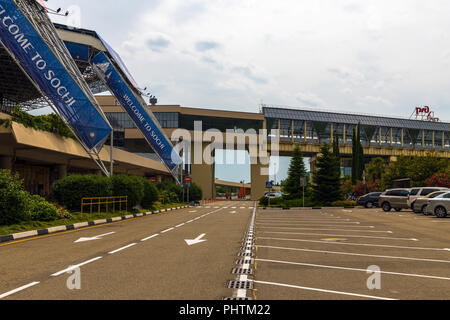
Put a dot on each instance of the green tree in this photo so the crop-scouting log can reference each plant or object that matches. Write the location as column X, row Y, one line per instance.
column 375, row 169
column 327, row 178
column 195, row 192
column 357, row 156
column 296, row 171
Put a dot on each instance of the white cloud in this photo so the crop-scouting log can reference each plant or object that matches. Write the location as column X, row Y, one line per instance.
column 235, row 53
column 309, row 100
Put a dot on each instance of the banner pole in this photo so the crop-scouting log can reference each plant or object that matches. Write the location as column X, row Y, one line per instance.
column 112, row 158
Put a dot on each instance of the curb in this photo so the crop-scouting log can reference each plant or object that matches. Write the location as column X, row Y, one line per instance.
column 43, row 232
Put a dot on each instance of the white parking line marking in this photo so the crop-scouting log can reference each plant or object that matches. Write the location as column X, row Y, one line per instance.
column 74, row 267
column 308, row 223
column 123, row 248
column 356, row 244
column 371, row 231
column 167, row 230
column 321, row 290
column 353, row 269
column 193, row 211
column 355, row 254
column 180, row 225
column 341, row 235
column 4, row 295
column 151, row 237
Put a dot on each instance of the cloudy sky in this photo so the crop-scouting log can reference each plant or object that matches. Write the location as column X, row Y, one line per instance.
column 379, row 57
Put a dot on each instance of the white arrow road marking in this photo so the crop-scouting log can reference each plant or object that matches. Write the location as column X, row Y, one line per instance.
column 356, row 244
column 371, row 231
column 4, row 295
column 93, row 238
column 196, row 240
column 341, row 235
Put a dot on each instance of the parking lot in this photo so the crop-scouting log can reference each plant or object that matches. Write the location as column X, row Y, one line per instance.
column 326, row 254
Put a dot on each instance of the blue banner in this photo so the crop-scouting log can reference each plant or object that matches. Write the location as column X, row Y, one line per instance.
column 137, row 110
column 50, row 75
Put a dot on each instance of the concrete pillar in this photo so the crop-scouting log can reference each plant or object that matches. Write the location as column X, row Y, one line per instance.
column 6, row 162
column 403, row 138
column 62, row 171
column 259, row 177
column 423, row 138
column 203, row 174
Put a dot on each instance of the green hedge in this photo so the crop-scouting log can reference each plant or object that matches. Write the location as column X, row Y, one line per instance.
column 151, row 194
column 195, row 192
column 130, row 186
column 283, row 203
column 68, row 192
column 171, row 191
column 17, row 205
column 344, row 204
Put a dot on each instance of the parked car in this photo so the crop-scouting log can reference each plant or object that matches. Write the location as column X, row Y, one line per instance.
column 421, row 192
column 369, row 200
column 439, row 206
column 394, row 199
column 272, row 195
column 420, row 204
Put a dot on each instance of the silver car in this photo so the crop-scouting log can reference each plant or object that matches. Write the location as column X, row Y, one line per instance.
column 439, row 206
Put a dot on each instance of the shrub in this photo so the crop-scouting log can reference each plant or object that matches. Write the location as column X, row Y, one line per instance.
column 264, row 201
column 69, row 191
column 174, row 197
column 151, row 194
column 41, row 210
column 343, row 204
column 130, row 186
column 14, row 201
column 171, row 187
column 17, row 205
column 195, row 192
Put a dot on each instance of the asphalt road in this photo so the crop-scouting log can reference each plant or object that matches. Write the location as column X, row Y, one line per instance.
column 298, row 255
column 325, row 254
column 142, row 259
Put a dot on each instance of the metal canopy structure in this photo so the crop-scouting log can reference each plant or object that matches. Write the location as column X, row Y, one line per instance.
column 17, row 89
column 87, row 49
column 29, row 38
column 353, row 119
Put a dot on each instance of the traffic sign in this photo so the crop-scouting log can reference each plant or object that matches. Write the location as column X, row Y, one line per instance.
column 269, row 185
column 188, row 179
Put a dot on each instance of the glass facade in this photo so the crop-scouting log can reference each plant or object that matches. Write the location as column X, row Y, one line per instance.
column 122, row 121
column 167, row 120
column 222, row 124
column 375, row 131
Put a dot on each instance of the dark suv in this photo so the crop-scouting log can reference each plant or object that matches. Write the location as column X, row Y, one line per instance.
column 369, row 200
column 394, row 199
